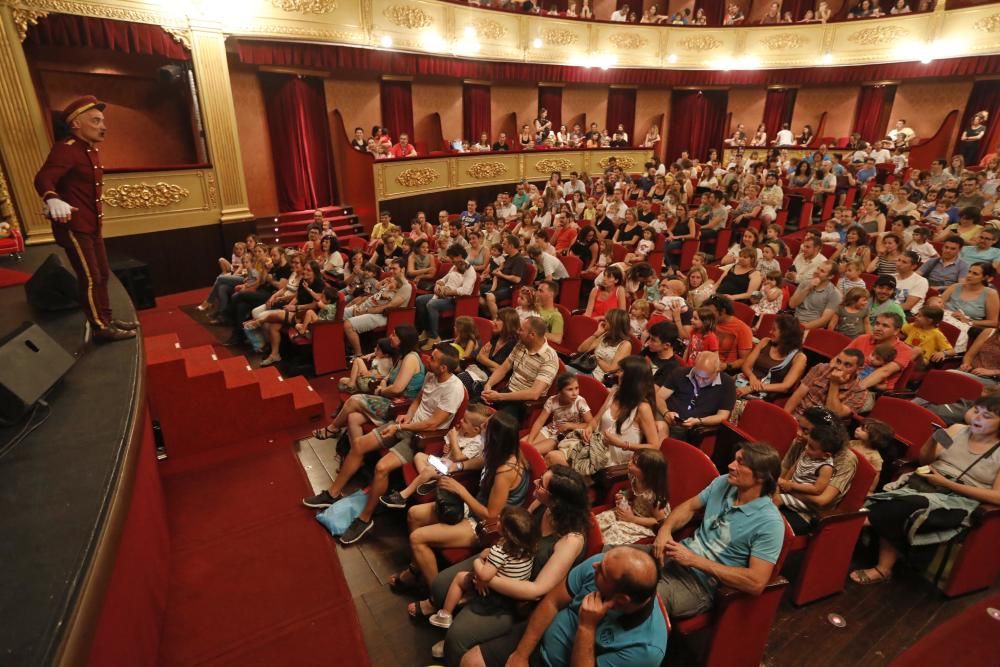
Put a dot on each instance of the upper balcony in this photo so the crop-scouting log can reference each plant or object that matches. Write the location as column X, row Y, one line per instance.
column 451, row 29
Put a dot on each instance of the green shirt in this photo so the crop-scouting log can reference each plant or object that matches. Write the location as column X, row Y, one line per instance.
column 889, row 306
column 553, row 320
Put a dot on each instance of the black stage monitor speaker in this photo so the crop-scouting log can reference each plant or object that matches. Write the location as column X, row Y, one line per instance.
column 52, row 287
column 31, row 362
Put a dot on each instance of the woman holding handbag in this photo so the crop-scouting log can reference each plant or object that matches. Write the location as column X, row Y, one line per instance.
column 602, row 352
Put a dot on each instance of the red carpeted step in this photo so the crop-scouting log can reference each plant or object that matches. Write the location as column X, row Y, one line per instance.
column 162, row 348
column 200, row 360
column 237, row 372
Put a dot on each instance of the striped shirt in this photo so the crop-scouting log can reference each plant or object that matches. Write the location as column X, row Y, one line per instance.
column 508, row 566
column 528, row 367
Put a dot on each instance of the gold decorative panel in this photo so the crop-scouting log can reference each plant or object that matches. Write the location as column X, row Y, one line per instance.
column 548, row 165
column 483, row 170
column 627, row 41
column 878, row 35
column 414, row 178
column 785, row 40
column 407, row 16
column 624, row 161
column 25, row 18
column 702, row 43
column 306, row 6
column 489, row 29
column 145, row 195
column 558, row 37
column 988, row 23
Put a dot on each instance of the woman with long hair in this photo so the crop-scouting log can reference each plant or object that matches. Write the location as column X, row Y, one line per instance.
column 609, row 294
column 493, row 352
column 855, row 247
column 972, row 303
column 742, row 279
column 776, row 363
column 610, row 343
column 586, row 248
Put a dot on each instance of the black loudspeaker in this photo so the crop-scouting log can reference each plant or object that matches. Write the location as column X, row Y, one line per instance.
column 31, row 362
column 52, row 287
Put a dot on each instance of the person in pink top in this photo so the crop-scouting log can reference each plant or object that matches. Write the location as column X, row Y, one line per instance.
column 404, row 148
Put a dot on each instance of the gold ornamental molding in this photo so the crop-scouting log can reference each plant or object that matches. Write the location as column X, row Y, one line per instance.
column 877, row 36
column 548, row 165
column 407, row 17
column 306, row 6
column 627, row 42
column 624, row 161
column 417, row 177
column 703, row 43
column 988, row 24
column 101, row 10
column 785, row 40
column 180, row 35
column 484, row 170
column 25, row 18
column 144, row 195
column 490, row 29
column 556, row 37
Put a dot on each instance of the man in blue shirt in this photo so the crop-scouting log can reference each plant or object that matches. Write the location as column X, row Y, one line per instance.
column 737, row 543
column 867, row 172
column 984, row 250
column 606, row 615
column 470, row 217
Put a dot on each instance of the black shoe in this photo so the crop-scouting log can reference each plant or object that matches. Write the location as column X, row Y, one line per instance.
column 320, row 501
column 111, row 335
column 393, row 500
column 356, row 531
column 426, row 487
column 125, row 325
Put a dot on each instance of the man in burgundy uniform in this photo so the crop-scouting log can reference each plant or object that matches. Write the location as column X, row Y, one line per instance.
column 71, row 182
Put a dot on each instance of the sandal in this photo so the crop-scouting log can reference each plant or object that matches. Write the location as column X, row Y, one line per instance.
column 416, row 610
column 862, row 577
column 399, row 585
column 326, row 433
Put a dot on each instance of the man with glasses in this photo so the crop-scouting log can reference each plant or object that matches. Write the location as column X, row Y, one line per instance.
column 698, row 397
column 737, row 542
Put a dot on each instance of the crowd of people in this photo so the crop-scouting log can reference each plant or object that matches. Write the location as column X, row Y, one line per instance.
column 693, row 15
column 904, row 252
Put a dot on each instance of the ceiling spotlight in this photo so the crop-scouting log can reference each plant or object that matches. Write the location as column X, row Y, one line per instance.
column 536, row 43
column 386, row 42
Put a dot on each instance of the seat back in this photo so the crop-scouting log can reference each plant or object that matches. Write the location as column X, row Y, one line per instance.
column 569, row 288
column 688, row 250
column 530, row 273
column 536, row 467
column 592, row 391
column 764, row 327
column 577, row 330
column 950, row 331
column 768, row 423
column 688, row 470
column 468, row 305
column 744, row 313
column 864, row 475
column 595, row 540
column 824, row 343
column 911, row 423
column 942, row 387
column 485, row 329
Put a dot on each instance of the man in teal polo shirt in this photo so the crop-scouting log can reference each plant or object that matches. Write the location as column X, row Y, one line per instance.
column 605, row 614
column 737, row 543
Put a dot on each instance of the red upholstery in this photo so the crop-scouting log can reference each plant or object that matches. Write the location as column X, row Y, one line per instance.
column 688, row 250
column 912, row 424
column 592, row 391
column 595, row 541
column 569, row 288
column 688, row 470
column 469, row 305
column 825, row 343
column 766, row 323
column 744, row 313
column 575, row 331
column 976, row 566
column 722, row 242
column 13, row 244
column 485, row 328
column 760, row 421
column 400, row 316
column 828, row 549
column 328, row 350
column 952, row 643
column 942, row 387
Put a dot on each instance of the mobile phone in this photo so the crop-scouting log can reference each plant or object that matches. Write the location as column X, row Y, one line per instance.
column 440, row 465
column 941, row 437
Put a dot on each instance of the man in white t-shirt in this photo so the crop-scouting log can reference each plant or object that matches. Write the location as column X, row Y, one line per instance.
column 548, row 265
column 433, row 409
column 805, row 263
column 505, row 210
column 574, row 184
column 620, row 16
column 911, row 287
column 881, row 153
column 785, row 137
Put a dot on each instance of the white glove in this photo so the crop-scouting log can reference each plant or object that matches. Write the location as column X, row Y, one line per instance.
column 59, row 210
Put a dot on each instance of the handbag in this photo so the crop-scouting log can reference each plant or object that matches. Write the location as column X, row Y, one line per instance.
column 337, row 517
column 450, row 506
column 585, row 362
column 583, row 457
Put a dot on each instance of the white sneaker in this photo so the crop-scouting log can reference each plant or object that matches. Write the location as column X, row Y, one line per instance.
column 437, row 651
column 441, row 619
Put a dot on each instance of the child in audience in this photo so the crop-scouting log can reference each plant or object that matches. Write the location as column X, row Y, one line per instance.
column 938, row 216
column 852, row 279
column 565, row 412
column 768, row 259
column 639, row 318
column 771, row 295
column 233, row 273
column 883, row 354
column 367, row 371
column 526, row 306
column 326, row 311
column 810, row 475
column 512, row 557
column 235, row 263
column 871, row 439
column 496, row 261
column 463, row 443
column 643, row 247
column 851, row 318
column 700, row 334
column 922, row 246
column 491, row 235
column 832, row 234
column 641, row 507
column 924, row 335
column 773, row 235
column 467, row 336
column 607, row 255
column 669, row 296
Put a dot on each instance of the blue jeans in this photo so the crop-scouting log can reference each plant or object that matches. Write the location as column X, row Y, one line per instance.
column 429, row 309
column 222, row 291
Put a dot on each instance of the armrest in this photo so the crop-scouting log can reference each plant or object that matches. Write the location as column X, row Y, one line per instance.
column 984, row 512
column 728, row 594
column 423, row 438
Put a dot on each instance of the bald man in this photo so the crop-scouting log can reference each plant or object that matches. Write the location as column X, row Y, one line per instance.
column 605, row 613
column 698, row 397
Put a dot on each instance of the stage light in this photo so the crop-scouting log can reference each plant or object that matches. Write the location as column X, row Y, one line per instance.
column 386, row 42
column 536, row 43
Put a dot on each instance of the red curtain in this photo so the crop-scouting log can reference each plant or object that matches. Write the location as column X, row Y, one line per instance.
column 985, row 96
column 715, row 10
column 621, row 109
column 397, row 108
column 476, row 117
column 550, row 98
column 402, row 64
column 697, row 122
column 122, row 36
column 778, row 108
column 300, row 141
column 871, row 115
column 798, row 8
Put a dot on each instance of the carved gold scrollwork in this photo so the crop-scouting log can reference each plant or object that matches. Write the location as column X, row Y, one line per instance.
column 988, row 24
column 181, row 35
column 413, row 178
column 490, row 29
column 876, row 36
column 624, row 161
column 408, row 17
column 703, row 43
column 548, row 165
column 627, row 42
column 554, row 37
column 306, row 6
column 25, row 18
column 481, row 170
column 785, row 40
column 144, row 195
column 212, row 190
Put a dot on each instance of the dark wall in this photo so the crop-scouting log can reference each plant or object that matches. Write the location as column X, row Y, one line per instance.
column 181, row 259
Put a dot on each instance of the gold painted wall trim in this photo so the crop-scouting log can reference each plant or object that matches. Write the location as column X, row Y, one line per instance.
column 405, row 178
column 154, row 201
